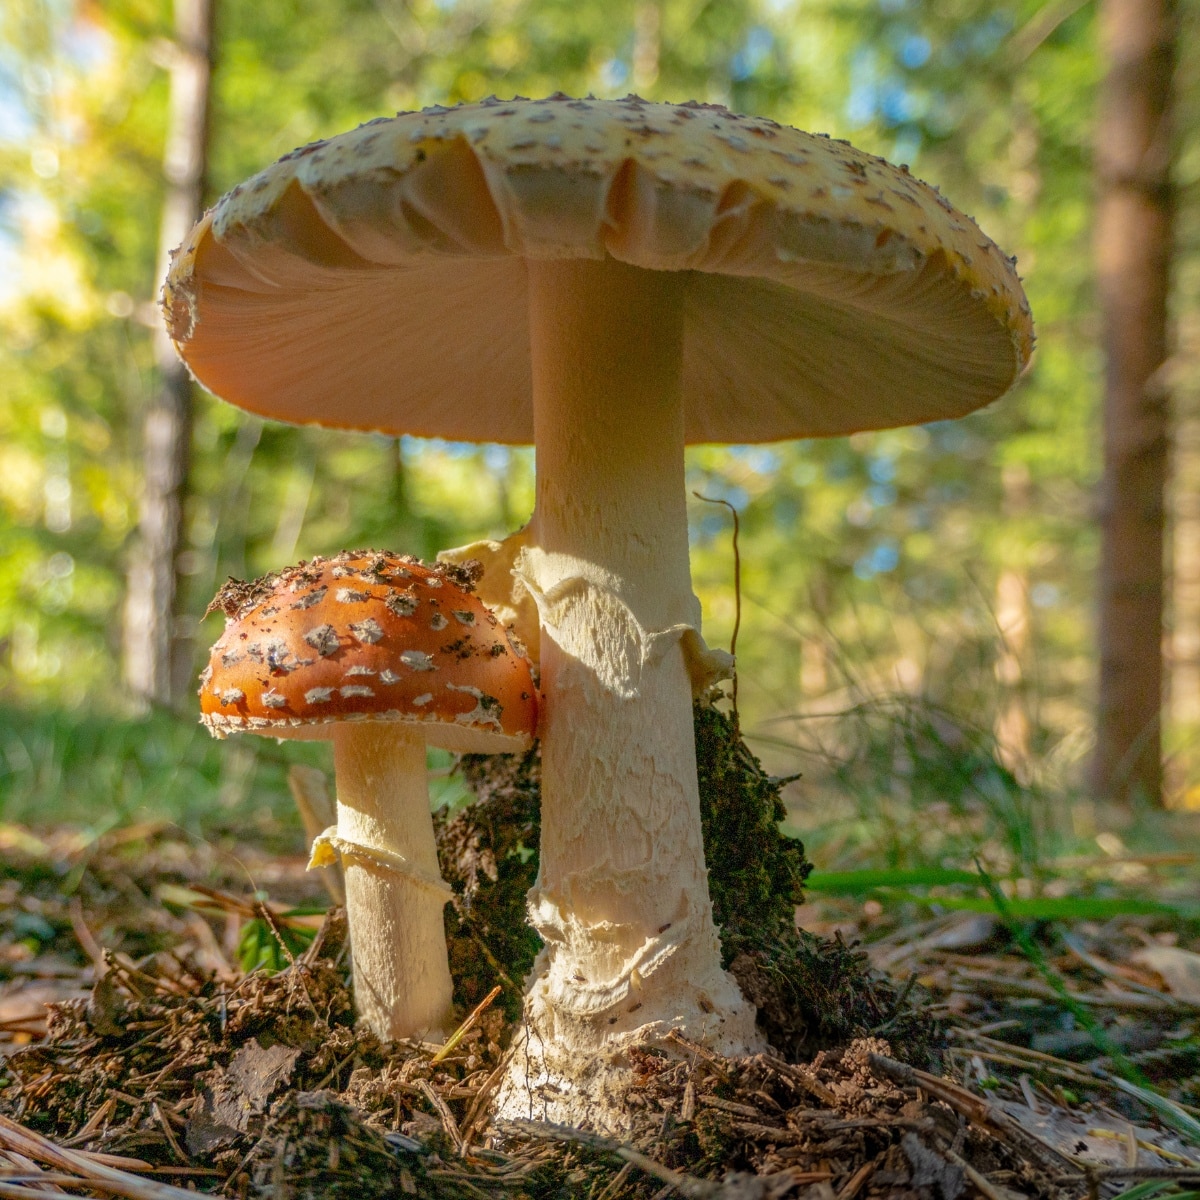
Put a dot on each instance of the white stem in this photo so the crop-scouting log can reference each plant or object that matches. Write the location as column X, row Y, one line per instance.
column 622, row 895
column 394, row 899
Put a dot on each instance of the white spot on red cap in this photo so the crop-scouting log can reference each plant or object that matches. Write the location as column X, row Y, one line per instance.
column 275, row 654
column 367, row 630
column 417, row 660
column 323, row 639
column 313, row 597
column 402, row 604
column 318, row 695
column 487, row 708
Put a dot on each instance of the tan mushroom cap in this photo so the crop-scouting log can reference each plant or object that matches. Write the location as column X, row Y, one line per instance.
column 367, row 636
column 376, row 280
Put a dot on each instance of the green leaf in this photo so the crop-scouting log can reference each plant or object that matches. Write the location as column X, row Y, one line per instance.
column 260, row 950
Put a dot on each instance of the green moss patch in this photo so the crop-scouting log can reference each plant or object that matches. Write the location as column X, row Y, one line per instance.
column 811, row 992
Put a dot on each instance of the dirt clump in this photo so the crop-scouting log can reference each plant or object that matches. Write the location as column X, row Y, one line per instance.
column 488, row 855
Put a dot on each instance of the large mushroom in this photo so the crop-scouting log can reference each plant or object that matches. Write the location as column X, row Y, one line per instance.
column 609, row 280
column 382, row 655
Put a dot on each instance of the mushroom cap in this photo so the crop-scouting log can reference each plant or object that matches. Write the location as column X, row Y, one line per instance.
column 376, row 280
column 367, row 636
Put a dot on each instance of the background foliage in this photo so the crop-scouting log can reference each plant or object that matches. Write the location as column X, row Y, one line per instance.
column 874, row 567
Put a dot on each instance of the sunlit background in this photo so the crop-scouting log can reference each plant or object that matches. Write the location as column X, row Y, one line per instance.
column 917, row 625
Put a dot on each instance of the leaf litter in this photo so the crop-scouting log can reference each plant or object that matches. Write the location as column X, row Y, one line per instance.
column 163, row 1070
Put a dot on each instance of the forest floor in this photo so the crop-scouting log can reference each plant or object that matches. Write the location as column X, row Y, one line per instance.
column 1028, row 1039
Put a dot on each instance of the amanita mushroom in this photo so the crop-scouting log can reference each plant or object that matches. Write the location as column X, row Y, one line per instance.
column 382, row 655
column 610, row 280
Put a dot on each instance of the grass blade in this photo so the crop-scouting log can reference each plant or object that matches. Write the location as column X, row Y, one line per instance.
column 1050, row 908
column 1054, row 980
column 1179, row 1120
column 853, row 882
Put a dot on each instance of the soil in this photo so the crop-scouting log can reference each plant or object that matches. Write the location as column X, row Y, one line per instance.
column 267, row 1088
column 194, row 1074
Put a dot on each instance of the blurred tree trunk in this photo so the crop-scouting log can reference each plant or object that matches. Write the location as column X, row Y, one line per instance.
column 407, row 530
column 1133, row 247
column 1012, row 728
column 151, row 665
column 1184, row 688
column 647, row 44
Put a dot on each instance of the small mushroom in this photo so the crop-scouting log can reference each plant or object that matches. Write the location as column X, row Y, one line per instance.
column 350, row 648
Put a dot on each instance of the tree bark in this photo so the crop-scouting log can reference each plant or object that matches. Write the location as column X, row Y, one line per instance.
column 1133, row 245
column 1012, row 727
column 647, row 44
column 156, row 662
column 1185, row 601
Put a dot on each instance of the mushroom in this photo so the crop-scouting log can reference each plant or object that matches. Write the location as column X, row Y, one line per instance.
column 610, row 280
column 383, row 656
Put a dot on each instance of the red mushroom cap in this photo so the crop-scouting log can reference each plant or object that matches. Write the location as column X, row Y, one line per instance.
column 367, row 635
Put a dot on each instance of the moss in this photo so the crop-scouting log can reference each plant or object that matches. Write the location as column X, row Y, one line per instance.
column 817, row 993
column 488, row 855
column 756, row 873
column 811, row 993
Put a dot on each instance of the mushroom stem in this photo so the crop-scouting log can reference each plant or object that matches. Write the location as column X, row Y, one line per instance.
column 622, row 896
column 394, row 890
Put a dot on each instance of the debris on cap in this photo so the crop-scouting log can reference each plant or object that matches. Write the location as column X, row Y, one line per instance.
column 367, row 635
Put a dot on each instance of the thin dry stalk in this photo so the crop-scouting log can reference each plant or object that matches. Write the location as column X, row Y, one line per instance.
column 85, row 1166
